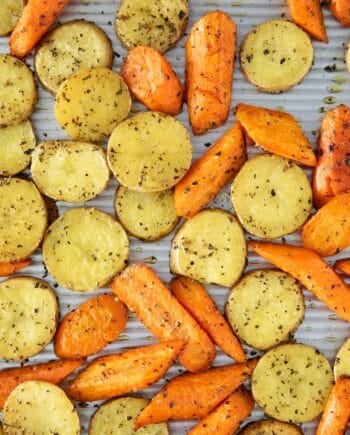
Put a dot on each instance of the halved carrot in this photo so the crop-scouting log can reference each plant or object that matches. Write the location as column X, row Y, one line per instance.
column 36, row 19
column 227, row 417
column 209, row 174
column 192, row 396
column 152, row 80
column 90, row 327
column 193, row 296
column 116, row 374
column 343, row 266
column 7, row 269
column 210, row 54
column 308, row 15
column 277, row 132
column 144, row 294
column 341, row 11
column 312, row 271
column 54, row 372
column 337, row 411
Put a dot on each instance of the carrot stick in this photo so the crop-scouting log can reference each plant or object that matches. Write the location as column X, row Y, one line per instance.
column 210, row 53
column 277, row 132
column 7, row 269
column 209, row 174
column 312, row 271
column 144, row 294
column 227, row 417
column 36, row 19
column 116, row 374
column 343, row 266
column 308, row 15
column 341, row 11
column 193, row 296
column 192, row 396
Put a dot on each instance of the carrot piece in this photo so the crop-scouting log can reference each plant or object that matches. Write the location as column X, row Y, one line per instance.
column 36, row 19
column 312, row 271
column 152, row 80
column 227, row 417
column 53, row 372
column 337, row 410
column 90, row 327
column 277, row 132
column 209, row 174
column 210, row 53
column 192, row 396
column 343, row 266
column 144, row 294
column 308, row 15
column 132, row 370
column 7, row 269
column 193, row 296
column 341, row 11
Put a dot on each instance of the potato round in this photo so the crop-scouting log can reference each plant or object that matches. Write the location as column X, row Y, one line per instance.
column 210, row 247
column 70, row 171
column 17, row 91
column 28, row 317
column 10, row 11
column 156, row 23
column 276, row 55
column 292, row 383
column 150, row 152
column 39, row 408
column 16, row 145
column 91, row 103
column 271, row 196
column 118, row 416
column 84, row 248
column 265, row 308
column 347, row 56
column 147, row 216
column 23, row 218
column 342, row 361
column 270, row 427
column 69, row 48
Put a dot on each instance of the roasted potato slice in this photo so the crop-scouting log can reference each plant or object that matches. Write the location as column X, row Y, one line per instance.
column 270, row 427
column 10, row 11
column 347, row 56
column 342, row 361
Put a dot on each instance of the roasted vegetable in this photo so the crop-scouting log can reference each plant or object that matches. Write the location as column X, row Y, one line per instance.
column 308, row 15
column 10, row 11
column 7, row 269
column 342, row 361
column 341, row 11
column 270, row 427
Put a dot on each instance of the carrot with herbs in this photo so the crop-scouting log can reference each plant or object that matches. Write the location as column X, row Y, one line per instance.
column 7, row 269
column 308, row 15
column 343, row 266
column 341, row 11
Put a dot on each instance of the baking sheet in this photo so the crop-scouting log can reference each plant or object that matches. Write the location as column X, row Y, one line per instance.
column 320, row 328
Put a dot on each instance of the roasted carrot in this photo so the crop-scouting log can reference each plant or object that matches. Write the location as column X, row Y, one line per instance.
column 343, row 266
column 144, row 294
column 36, row 19
column 209, row 174
column 312, row 271
column 192, row 396
column 337, row 411
column 210, row 54
column 193, row 296
column 7, row 269
column 277, row 132
column 341, row 11
column 227, row 417
column 116, row 374
column 90, row 327
column 308, row 15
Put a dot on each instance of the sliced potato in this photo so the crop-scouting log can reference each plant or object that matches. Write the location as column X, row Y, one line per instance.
column 265, row 308
column 28, row 317
column 10, row 11
column 91, row 103
column 150, row 152
column 271, row 196
column 156, row 23
column 210, row 247
column 39, row 408
column 71, row 47
column 17, row 91
column 84, row 248
column 270, row 427
column 347, row 56
column 23, row 218
column 69, row 171
column 1, row 429
column 118, row 416
column 292, row 383
column 16, row 145
column 342, row 361
column 276, row 55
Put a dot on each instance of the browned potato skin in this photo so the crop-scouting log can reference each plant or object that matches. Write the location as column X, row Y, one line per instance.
column 270, row 427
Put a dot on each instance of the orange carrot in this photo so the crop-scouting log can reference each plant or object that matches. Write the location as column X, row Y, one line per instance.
column 192, row 396
column 7, row 269
column 90, row 327
column 116, row 374
column 308, row 15
column 277, row 132
column 227, row 417
column 343, row 266
column 36, row 19
column 312, row 271
column 144, row 294
column 209, row 174
column 193, row 296
column 341, row 11
column 210, row 53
